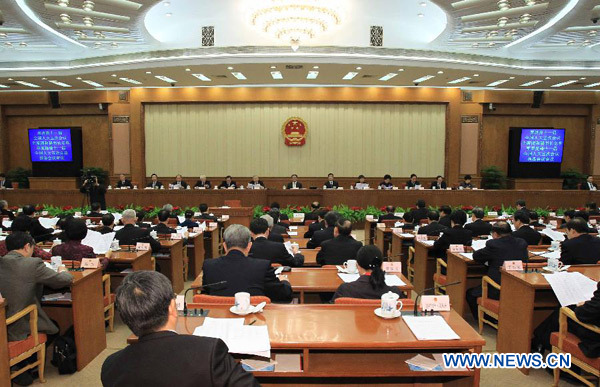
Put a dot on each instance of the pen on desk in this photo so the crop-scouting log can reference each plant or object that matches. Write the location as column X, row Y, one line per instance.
column 253, row 321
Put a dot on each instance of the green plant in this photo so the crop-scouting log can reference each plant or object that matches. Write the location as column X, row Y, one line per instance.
column 19, row 175
column 571, row 178
column 492, row 178
column 96, row 171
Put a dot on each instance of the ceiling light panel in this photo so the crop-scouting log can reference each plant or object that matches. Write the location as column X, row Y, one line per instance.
column 497, row 83
column 239, row 75
column 276, row 75
column 312, row 75
column 566, row 83
column 132, row 81
column 28, row 84
column 387, row 77
column 165, row 78
column 531, row 83
column 424, row 78
column 202, row 77
column 59, row 83
column 459, row 80
column 92, row 83
column 349, row 76
column 593, row 84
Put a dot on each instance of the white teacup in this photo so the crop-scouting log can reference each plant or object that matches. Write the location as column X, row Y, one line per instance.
column 56, row 242
column 554, row 245
column 554, row 264
column 390, row 304
column 242, row 301
column 351, row 266
column 56, row 262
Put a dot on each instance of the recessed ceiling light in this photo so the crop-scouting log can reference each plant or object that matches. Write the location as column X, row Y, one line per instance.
column 547, row 78
column 23, row 44
column 276, row 75
column 503, row 5
column 349, row 76
column 165, row 78
column 459, row 80
column 65, row 18
column 569, row 82
column 531, row 83
column 92, row 83
column 59, row 83
column 239, row 75
column 63, row 3
column 78, row 78
column 273, row 67
column 315, row 67
column 593, row 84
column 475, row 75
column 420, row 15
column 440, row 72
column 359, row 68
column 583, row 78
column 188, row 69
column 400, row 70
column 114, row 75
column 423, row 4
column 88, row 21
column 148, row 72
column 166, row 3
column 387, row 77
column 423, row 79
column 132, row 81
column 27, row 84
column 114, row 44
column 88, row 5
column 312, row 75
column 2, row 34
column 43, row 79
column 8, row 44
column 498, row 82
column 168, row 14
column 202, row 77
column 229, row 68
column 10, row 79
column 4, row 86
column 511, row 78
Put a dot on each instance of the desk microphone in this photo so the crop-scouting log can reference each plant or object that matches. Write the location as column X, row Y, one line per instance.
column 207, row 286
column 416, row 313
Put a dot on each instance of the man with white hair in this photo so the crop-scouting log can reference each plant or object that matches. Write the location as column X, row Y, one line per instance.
column 4, row 211
column 273, row 236
column 243, row 274
column 131, row 234
column 203, row 183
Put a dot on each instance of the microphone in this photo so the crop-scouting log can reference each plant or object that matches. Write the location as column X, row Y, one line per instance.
column 415, row 312
column 207, row 286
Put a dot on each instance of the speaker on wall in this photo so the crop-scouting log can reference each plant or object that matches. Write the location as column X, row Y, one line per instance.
column 538, row 95
column 54, row 99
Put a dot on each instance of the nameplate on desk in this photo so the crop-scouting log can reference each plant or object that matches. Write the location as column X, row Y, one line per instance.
column 175, row 236
column 492, row 213
column 513, row 265
column 298, row 215
column 78, row 214
column 392, row 267
column 554, row 223
column 380, row 225
column 369, row 218
column 397, row 230
column 293, row 233
column 197, row 214
column 197, row 230
column 552, row 214
column 421, row 237
column 435, row 303
column 142, row 246
column 44, row 213
column 457, row 248
column 90, row 263
column 213, row 224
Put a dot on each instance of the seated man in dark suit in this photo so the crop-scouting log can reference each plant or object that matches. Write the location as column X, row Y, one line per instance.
column 413, row 183
column 579, row 248
column 203, row 183
column 589, row 184
column 276, row 252
column 313, row 215
column 4, row 211
column 228, row 183
column 521, row 222
column 278, row 226
column 256, row 183
column 277, row 235
column 389, row 214
column 124, row 182
column 445, row 212
column 23, row 224
column 188, row 222
column 521, row 206
column 141, row 215
column 131, row 235
column 455, row 235
column 420, row 212
column 294, row 184
column 147, row 306
column 243, row 274
column 534, row 220
column 341, row 248
column 439, row 183
column 316, row 226
column 466, row 183
column 408, row 221
column 162, row 227
column 503, row 247
column 330, row 183
column 108, row 224
column 478, row 226
column 203, row 207
column 37, row 231
column 592, row 209
column 588, row 313
column 361, row 183
column 386, row 183
column 4, row 182
column 321, row 236
column 154, row 183
column 567, row 217
column 585, row 216
column 282, row 216
column 434, row 228
column 179, row 183
column 94, row 211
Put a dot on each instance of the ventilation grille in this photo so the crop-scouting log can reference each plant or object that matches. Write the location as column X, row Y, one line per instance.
column 376, row 36
column 208, row 36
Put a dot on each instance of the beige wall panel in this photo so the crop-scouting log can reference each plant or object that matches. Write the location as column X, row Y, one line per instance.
column 468, row 148
column 244, row 139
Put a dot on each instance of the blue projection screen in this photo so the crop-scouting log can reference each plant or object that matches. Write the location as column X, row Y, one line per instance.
column 541, row 145
column 50, row 145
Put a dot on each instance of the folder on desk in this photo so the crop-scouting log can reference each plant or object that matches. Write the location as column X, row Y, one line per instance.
column 240, row 338
column 430, row 328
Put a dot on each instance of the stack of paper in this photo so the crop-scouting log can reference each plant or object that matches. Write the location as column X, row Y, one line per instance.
column 428, row 242
column 57, row 297
column 571, row 288
column 406, row 235
column 467, row 255
column 390, row 279
column 552, row 254
column 478, row 244
column 48, row 222
column 7, row 223
column 422, row 363
column 554, row 235
column 430, row 328
column 99, row 242
column 240, row 338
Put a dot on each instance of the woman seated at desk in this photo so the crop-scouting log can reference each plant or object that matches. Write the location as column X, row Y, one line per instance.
column 76, row 231
column 371, row 283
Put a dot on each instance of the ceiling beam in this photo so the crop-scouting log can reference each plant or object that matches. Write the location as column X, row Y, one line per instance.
column 507, row 12
column 81, row 12
column 73, row 26
column 495, row 27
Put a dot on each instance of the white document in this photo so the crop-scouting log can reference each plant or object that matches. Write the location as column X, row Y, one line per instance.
column 348, row 277
column 288, row 247
column 99, row 242
column 478, row 244
column 117, row 228
column 117, row 216
column 554, row 235
column 393, row 280
column 240, row 338
column 48, row 222
column 406, row 235
column 552, row 254
column 428, row 242
column 571, row 288
column 181, row 218
column 430, row 328
column 293, row 227
column 7, row 223
column 467, row 255
column 292, row 233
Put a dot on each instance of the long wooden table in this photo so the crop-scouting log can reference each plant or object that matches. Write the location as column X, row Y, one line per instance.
column 85, row 312
column 348, row 343
column 139, row 260
column 330, row 198
column 171, row 262
column 526, row 300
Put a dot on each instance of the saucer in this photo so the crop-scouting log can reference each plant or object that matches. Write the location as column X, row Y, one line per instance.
column 235, row 311
column 345, row 271
column 397, row 314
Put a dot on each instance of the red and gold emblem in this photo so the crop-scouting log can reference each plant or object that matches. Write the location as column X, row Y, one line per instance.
column 294, row 131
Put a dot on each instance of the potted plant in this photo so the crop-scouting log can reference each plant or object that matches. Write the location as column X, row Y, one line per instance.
column 492, row 177
column 19, row 177
column 571, row 178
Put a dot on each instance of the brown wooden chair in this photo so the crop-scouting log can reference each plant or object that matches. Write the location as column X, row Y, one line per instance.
column 35, row 343
column 565, row 342
column 233, row 203
column 206, row 299
column 410, row 261
column 109, row 303
column 440, row 279
column 486, row 305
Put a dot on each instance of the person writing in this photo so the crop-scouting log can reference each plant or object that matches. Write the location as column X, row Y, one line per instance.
column 386, row 183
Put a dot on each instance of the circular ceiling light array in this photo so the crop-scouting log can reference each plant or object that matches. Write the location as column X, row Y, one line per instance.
column 88, row 21
column 503, row 5
column 88, row 5
column 502, row 21
column 524, row 18
column 63, row 3
column 65, row 18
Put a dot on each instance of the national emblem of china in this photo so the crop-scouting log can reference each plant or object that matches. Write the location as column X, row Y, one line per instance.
column 294, row 131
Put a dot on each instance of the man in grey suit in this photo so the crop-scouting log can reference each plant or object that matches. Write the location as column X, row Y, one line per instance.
column 22, row 279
